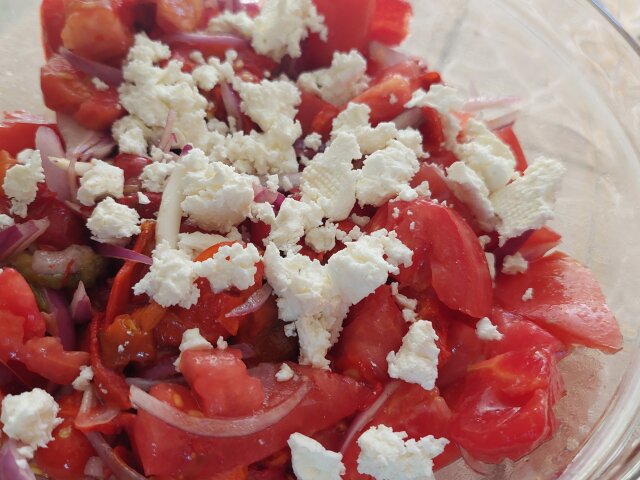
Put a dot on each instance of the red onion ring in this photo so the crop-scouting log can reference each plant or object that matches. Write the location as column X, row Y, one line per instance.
column 166, row 139
column 146, row 384
column 366, row 416
column 409, row 118
column 121, row 470
column 263, row 194
column 17, row 238
column 217, row 427
column 81, row 143
column 81, row 311
column 49, row 144
column 386, row 56
column 13, row 466
column 59, row 309
column 253, row 303
column 114, row 251
column 231, row 101
column 90, row 415
column 109, row 75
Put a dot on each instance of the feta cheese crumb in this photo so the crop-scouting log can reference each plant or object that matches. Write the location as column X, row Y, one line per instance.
column 99, row 84
column 143, row 199
column 311, row 461
column 285, row 373
column 221, row 343
column 313, row 141
column 485, row 330
column 83, row 381
column 231, row 266
column 445, row 100
column 293, row 220
column 193, row 244
column 30, row 418
column 154, row 176
column 21, row 181
column 322, row 239
column 491, row 263
column 170, row 280
column 386, row 455
column 360, row 221
column 192, row 340
column 417, row 359
column 339, row 83
column 528, row 295
column 111, row 222
column 514, row 264
column 402, row 300
column 100, row 181
column 6, row 221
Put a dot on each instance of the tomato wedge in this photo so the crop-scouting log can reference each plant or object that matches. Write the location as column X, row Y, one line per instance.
column 18, row 299
column 567, row 301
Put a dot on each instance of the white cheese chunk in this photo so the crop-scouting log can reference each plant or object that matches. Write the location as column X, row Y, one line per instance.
column 99, row 84
column 231, row 266
column 191, row 340
column 386, row 455
column 514, row 264
column 21, row 181
column 285, row 373
column 469, row 187
column 528, row 295
column 339, row 83
column 83, row 380
column 293, row 220
column 311, row 461
column 485, row 330
column 111, row 222
column 193, row 244
column 446, row 101
column 403, row 301
column 417, row 359
column 30, row 418
column 313, row 141
column 230, row 22
column 322, row 239
column 100, row 181
column 6, row 221
column 154, row 176
column 143, row 199
column 170, row 280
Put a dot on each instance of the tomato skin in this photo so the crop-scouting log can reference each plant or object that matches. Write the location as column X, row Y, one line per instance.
column 310, row 106
column 52, row 19
column 378, row 98
column 391, row 21
column 100, row 111
column 539, row 243
column 344, row 34
column 164, row 450
column 508, row 136
column 567, row 301
column 62, row 86
column 374, row 327
column 18, row 299
column 46, row 357
column 16, row 135
column 179, row 15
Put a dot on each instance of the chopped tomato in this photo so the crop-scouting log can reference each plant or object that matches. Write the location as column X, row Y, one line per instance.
column 508, row 136
column 221, row 381
column 387, row 98
column 11, row 335
column 391, row 21
column 374, row 327
column 100, row 111
column 539, row 243
column 567, row 302
column 344, row 34
column 52, row 18
column 179, row 15
column 310, row 106
column 18, row 299
column 65, row 457
column 16, row 134
column 94, row 30
column 503, row 407
column 46, row 357
column 466, row 349
column 165, row 450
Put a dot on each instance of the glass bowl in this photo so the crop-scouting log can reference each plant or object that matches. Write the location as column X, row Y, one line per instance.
column 578, row 79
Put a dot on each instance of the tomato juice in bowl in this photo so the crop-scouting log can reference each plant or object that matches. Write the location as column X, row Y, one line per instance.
column 558, row 95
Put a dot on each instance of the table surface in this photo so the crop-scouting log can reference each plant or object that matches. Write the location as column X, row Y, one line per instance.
column 627, row 12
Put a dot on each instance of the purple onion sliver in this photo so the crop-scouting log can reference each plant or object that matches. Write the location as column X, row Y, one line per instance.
column 502, row 121
column 162, row 369
column 114, row 251
column 186, row 149
column 411, row 118
column 146, row 384
column 167, row 138
column 121, row 470
column 13, row 466
column 17, row 238
column 49, row 144
column 59, row 309
column 231, row 102
column 81, row 311
column 109, row 75
column 386, row 56
column 253, row 303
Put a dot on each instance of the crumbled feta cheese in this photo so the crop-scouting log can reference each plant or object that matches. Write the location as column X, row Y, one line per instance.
column 229, row 22
column 285, row 373
column 354, row 234
column 293, row 220
column 273, row 183
column 311, row 461
column 205, row 76
column 396, row 212
column 423, row 189
column 21, row 181
column 231, row 266
column 484, row 241
column 221, row 343
column 193, row 244
column 385, row 174
column 6, row 221
column 111, row 222
column 417, row 359
column 491, row 263
column 403, row 301
column 469, row 188
column 192, row 340
column 528, row 295
column 393, row 99
column 83, row 380
column 263, row 153
column 143, row 199
column 412, row 226
column 322, row 239
column 330, row 180
column 527, row 202
column 445, row 100
column 409, row 315
column 99, row 84
column 514, row 264
column 100, row 181
column 216, row 197
column 339, row 83
column 30, row 418
column 386, row 455
column 170, row 280
column 485, row 330
column 360, row 221
column 313, row 141
column 154, row 176
column 131, row 134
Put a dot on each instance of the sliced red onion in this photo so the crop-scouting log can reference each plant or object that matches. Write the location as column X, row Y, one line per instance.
column 17, row 238
column 231, row 101
column 409, row 118
column 502, row 121
column 186, row 149
column 481, row 103
column 217, row 427
column 166, row 140
column 59, row 310
column 82, row 143
column 161, row 369
column 69, row 260
column 146, row 384
column 120, row 469
column 13, row 466
column 22, row 116
column 264, row 195
column 108, row 74
column 94, row 467
column 198, row 40
column 253, row 303
column 49, row 144
column 91, row 415
column 114, row 251
column 386, row 56
column 367, row 415
column 81, row 311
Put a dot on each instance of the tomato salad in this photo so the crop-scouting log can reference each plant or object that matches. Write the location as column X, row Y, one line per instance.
column 259, row 242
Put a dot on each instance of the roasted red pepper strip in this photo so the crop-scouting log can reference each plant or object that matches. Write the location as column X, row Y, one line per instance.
column 129, row 274
column 111, row 387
